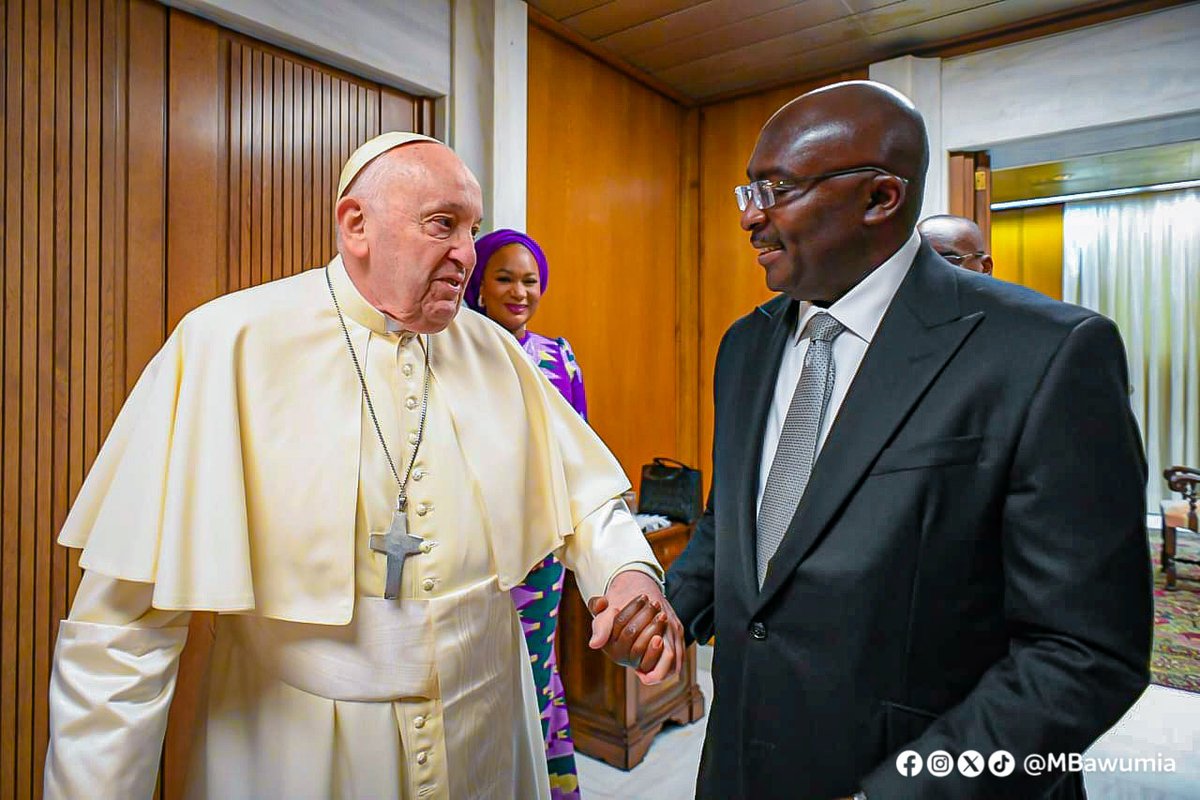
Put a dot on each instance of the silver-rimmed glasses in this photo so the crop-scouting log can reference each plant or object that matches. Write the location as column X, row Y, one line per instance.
column 958, row 260
column 764, row 193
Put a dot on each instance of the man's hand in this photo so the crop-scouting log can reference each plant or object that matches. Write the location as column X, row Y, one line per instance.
column 636, row 626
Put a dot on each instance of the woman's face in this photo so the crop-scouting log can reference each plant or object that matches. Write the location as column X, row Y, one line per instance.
column 511, row 288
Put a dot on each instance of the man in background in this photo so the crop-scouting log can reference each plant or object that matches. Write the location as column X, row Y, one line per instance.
column 958, row 240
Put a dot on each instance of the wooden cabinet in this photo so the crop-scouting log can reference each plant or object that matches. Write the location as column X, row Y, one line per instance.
column 613, row 716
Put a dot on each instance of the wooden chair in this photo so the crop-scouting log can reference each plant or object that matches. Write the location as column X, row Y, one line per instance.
column 1177, row 514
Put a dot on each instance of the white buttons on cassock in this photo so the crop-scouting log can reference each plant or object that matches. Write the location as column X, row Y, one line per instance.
column 410, row 403
column 428, row 585
column 406, row 370
column 423, row 509
column 418, row 722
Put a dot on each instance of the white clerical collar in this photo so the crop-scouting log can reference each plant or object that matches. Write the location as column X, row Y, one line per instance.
column 862, row 308
column 355, row 306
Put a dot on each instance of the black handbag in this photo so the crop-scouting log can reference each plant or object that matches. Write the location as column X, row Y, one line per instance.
column 671, row 489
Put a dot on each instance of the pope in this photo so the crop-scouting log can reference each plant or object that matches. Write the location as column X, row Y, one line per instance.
column 352, row 472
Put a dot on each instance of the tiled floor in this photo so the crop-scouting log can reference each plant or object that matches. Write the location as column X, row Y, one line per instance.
column 1165, row 723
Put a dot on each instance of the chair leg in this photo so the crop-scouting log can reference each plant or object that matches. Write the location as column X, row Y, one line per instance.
column 1168, row 556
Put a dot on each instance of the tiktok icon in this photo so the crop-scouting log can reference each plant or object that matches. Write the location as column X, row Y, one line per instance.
column 1001, row 763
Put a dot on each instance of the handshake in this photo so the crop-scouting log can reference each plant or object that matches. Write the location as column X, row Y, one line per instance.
column 636, row 627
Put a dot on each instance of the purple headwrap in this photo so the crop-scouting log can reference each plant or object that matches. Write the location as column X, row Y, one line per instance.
column 486, row 246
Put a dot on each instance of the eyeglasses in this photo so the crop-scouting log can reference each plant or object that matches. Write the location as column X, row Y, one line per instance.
column 764, row 193
column 958, row 261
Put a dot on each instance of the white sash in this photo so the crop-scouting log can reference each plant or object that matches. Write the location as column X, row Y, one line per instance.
column 386, row 652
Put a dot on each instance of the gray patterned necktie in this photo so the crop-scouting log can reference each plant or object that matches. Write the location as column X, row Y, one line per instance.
column 797, row 441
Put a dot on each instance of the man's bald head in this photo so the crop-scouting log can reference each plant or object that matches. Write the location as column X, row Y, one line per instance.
column 874, row 138
column 856, row 123
column 958, row 240
column 406, row 228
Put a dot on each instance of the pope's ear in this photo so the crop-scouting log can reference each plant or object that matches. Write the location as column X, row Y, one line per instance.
column 351, row 224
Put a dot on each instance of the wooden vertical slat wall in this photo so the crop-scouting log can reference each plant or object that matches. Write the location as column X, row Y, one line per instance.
column 11, row 322
column 104, row 249
column 291, row 125
column 81, row 186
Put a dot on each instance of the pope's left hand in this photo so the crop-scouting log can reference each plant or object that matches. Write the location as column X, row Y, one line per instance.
column 635, row 625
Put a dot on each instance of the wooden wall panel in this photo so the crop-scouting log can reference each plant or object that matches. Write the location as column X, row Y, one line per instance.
column 604, row 201
column 731, row 281
column 262, row 134
column 970, row 184
column 1027, row 248
column 83, row 306
column 687, row 276
column 104, row 248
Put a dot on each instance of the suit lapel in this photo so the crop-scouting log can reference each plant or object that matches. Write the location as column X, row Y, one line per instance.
column 760, row 369
column 919, row 333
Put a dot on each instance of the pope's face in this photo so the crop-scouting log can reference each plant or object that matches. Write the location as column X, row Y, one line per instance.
column 421, row 239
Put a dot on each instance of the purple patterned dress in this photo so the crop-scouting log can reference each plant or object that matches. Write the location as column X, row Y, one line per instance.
column 538, row 597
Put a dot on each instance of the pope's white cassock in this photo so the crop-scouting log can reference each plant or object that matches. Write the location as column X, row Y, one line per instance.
column 244, row 476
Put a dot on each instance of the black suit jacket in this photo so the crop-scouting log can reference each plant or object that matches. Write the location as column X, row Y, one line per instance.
column 968, row 567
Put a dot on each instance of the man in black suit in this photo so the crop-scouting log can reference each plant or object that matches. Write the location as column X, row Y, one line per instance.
column 926, row 530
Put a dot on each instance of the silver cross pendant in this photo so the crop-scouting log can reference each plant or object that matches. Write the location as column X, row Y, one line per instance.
column 398, row 544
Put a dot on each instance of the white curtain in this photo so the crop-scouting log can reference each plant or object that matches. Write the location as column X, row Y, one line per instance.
column 1137, row 260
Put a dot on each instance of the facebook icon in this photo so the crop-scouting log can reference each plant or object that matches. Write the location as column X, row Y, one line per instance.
column 909, row 763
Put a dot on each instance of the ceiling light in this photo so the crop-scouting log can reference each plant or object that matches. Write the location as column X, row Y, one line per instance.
column 1069, row 198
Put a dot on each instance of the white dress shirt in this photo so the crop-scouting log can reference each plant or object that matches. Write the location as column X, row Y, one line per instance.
column 860, row 310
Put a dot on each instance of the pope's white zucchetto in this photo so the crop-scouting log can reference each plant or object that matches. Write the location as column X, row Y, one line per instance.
column 373, row 149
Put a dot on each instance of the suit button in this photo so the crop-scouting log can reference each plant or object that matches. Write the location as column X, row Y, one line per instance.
column 758, row 630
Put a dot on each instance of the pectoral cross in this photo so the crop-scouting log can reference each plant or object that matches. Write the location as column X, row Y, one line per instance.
column 398, row 544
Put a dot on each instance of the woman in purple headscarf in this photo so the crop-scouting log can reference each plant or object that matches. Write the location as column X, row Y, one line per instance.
column 509, row 280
